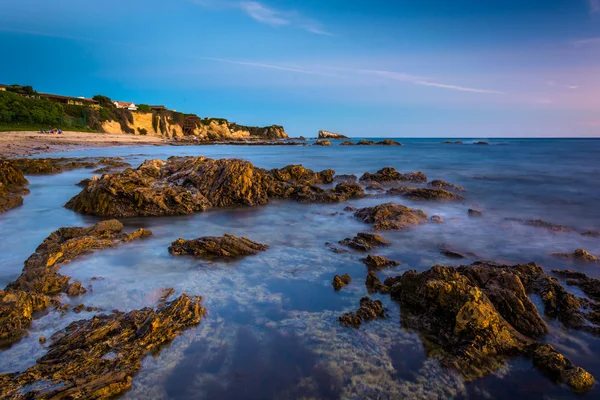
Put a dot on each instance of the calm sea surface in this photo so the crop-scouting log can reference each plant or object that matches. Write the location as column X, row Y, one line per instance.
column 271, row 329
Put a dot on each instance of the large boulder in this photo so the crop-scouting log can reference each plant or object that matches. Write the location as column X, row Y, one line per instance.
column 210, row 247
column 364, row 241
column 391, row 216
column 12, row 186
column 390, row 175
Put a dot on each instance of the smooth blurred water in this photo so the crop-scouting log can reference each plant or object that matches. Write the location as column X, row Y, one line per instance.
column 271, row 329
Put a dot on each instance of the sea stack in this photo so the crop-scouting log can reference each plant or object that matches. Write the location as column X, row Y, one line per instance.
column 331, row 135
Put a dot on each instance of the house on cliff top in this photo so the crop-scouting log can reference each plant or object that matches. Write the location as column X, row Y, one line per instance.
column 125, row 104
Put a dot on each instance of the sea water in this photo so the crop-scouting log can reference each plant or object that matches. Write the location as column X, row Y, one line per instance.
column 271, row 329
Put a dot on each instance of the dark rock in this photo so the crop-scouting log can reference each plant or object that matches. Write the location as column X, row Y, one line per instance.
column 365, row 241
column 474, row 213
column 341, row 281
column 365, row 143
column 12, row 186
column 374, row 285
column 375, row 263
column 349, row 208
column 368, row 311
column 322, row 143
column 375, row 186
column 390, row 175
column 345, row 178
column 389, row 142
column 436, row 219
column 590, row 286
column 541, row 224
column 210, row 247
column 440, row 184
column 578, row 255
column 455, row 142
column 591, row 233
column 415, row 193
column 97, row 358
column 558, row 368
column 391, row 216
column 347, row 143
column 481, row 143
column 451, row 253
column 335, row 249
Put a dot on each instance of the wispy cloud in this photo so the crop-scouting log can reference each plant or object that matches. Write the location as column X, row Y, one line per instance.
column 594, row 6
column 588, row 41
column 264, row 14
column 455, row 87
column 269, row 66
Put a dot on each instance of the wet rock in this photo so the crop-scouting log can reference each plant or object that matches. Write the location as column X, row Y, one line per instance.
column 390, row 175
column 349, row 208
column 331, row 135
column 590, row 286
column 365, row 143
column 368, row 311
column 474, row 213
column 558, row 368
column 365, row 241
column 375, row 186
column 40, row 278
column 389, row 142
column 97, row 358
column 341, row 281
column 111, row 166
column 347, row 143
column 45, row 166
column 210, row 247
column 184, row 185
column 591, row 233
column 538, row 223
column 414, row 193
column 436, row 219
column 322, row 143
column 335, row 249
column 481, row 143
column 374, row 285
column 440, row 184
column 578, row 255
column 345, row 178
column 450, row 142
column 451, row 253
column 391, row 216
column 86, row 181
column 12, row 186
column 375, row 263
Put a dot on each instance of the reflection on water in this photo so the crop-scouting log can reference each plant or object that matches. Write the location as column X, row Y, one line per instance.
column 271, row 329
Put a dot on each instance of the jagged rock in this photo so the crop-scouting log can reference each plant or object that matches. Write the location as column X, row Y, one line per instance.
column 97, row 358
column 368, row 311
column 375, row 263
column 414, row 193
column 365, row 241
column 349, row 208
column 184, row 185
column 330, row 135
column 590, row 286
column 474, row 213
column 389, row 142
column 345, row 178
column 440, row 184
column 375, row 186
column 436, row 219
column 391, row 216
column 12, row 186
column 390, row 175
column 341, row 281
column 335, row 249
column 558, row 368
column 365, row 143
column 44, row 166
column 111, row 165
column 591, row 233
column 451, row 253
column 213, row 247
column 541, row 224
column 41, row 279
column 347, row 143
column 322, row 143
column 578, row 255
column 374, row 285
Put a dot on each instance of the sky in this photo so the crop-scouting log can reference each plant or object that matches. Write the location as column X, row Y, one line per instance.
column 397, row 68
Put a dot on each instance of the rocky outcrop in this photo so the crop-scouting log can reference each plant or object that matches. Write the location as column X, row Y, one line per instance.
column 591, row 234
column 590, row 286
column 388, row 142
column 375, row 263
column 210, row 247
column 451, row 253
column 365, row 143
column 368, row 311
column 364, row 241
column 481, row 143
column 390, row 175
column 322, row 143
column 97, row 358
column 41, row 279
column 184, row 185
column 331, row 135
column 578, row 255
column 474, row 213
column 538, row 223
column 12, row 186
column 440, row 184
column 558, row 368
column 425, row 194
column 347, row 143
column 340, row 281
column 389, row 216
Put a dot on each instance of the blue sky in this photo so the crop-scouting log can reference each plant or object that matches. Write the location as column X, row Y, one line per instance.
column 418, row 68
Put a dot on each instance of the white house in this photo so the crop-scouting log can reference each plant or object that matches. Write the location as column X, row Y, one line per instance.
column 125, row 104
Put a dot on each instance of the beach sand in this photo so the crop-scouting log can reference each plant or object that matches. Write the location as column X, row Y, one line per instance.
column 18, row 144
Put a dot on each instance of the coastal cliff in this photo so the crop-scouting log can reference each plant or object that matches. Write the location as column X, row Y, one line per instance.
column 331, row 135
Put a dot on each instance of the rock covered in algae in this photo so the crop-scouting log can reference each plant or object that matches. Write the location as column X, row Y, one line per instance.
column 390, row 175
column 97, row 358
column 368, row 311
column 41, row 278
column 440, row 184
column 214, row 247
column 590, row 286
column 12, row 186
column 322, row 143
column 389, row 216
column 415, row 193
column 364, row 241
column 341, row 281
column 578, row 255
column 375, row 263
column 184, row 185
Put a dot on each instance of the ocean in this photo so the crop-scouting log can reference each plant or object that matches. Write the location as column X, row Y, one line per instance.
column 272, row 327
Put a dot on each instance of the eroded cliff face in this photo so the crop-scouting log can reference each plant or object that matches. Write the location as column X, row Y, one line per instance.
column 165, row 125
column 331, row 135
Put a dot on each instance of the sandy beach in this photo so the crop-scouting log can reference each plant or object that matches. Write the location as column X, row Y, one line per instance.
column 15, row 144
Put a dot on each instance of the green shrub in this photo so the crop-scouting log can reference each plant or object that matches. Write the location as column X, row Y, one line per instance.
column 144, row 108
column 142, row 131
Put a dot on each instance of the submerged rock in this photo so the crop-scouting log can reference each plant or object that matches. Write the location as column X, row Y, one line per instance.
column 391, row 216
column 12, row 186
column 415, row 193
column 97, row 358
column 440, row 184
column 436, row 219
column 481, row 143
column 214, row 247
column 365, row 241
column 345, row 178
column 591, row 233
column 322, row 143
column 451, row 253
column 375, row 263
column 474, row 213
column 578, row 255
column 368, row 311
column 538, row 223
column 341, row 281
column 590, row 286
column 40, row 278
column 184, row 185
column 347, row 143
column 390, row 175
